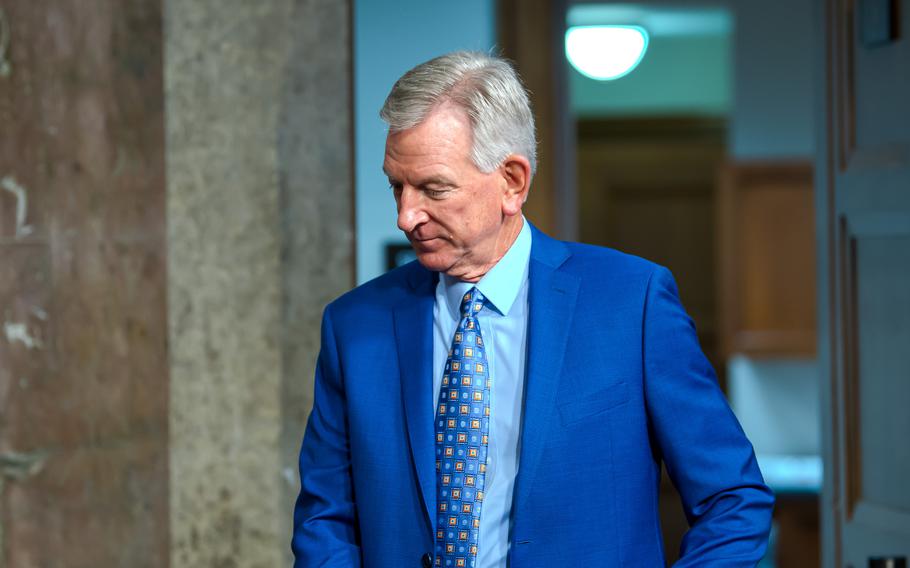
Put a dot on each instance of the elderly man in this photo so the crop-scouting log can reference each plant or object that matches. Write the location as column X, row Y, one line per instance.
column 508, row 399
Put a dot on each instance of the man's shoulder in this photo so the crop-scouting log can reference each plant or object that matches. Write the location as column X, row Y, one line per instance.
column 586, row 260
column 594, row 260
column 383, row 292
column 609, row 278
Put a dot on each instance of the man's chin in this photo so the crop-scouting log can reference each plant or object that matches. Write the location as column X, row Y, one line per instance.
column 434, row 261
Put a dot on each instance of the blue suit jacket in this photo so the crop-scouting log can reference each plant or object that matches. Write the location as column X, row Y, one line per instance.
column 616, row 383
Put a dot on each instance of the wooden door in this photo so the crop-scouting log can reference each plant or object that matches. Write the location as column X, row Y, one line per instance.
column 863, row 220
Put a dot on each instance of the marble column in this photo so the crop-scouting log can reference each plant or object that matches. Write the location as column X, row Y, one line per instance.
column 259, row 238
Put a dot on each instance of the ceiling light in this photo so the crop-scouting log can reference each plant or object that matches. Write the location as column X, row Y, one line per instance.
column 606, row 53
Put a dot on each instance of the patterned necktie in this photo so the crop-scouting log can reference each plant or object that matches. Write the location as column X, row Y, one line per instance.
column 462, row 430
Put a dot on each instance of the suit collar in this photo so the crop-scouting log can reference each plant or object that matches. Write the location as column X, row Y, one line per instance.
column 420, row 279
column 547, row 250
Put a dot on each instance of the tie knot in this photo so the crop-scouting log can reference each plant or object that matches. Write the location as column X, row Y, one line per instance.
column 472, row 302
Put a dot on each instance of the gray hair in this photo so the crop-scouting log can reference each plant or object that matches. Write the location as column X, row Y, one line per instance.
column 486, row 87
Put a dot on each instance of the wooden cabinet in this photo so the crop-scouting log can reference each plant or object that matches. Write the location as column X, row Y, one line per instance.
column 766, row 259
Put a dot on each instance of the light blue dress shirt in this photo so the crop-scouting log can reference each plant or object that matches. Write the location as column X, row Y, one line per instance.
column 505, row 331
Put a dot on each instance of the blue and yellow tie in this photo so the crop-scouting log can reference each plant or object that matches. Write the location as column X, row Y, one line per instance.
column 462, row 431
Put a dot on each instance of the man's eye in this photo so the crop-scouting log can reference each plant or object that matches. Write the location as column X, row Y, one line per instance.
column 434, row 193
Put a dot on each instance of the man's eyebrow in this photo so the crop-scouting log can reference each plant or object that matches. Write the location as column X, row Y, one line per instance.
column 436, row 180
column 391, row 178
column 431, row 180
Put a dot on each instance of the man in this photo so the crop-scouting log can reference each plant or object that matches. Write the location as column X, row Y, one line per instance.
column 507, row 399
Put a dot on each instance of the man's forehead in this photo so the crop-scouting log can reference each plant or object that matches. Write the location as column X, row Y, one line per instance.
column 438, row 173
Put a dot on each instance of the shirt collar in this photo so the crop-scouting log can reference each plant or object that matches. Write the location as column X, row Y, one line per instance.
column 501, row 284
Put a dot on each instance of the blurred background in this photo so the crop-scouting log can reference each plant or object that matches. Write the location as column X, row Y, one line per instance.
column 185, row 185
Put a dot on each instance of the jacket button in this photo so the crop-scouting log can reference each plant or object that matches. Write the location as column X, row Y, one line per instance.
column 426, row 560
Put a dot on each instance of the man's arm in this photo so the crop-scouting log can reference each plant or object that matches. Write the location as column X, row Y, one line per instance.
column 325, row 525
column 703, row 446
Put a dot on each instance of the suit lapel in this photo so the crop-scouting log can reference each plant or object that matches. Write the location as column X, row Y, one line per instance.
column 552, row 295
column 414, row 341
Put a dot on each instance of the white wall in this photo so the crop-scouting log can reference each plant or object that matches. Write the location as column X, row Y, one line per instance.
column 389, row 39
column 773, row 88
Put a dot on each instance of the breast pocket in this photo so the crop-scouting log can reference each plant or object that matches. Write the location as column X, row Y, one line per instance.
column 591, row 405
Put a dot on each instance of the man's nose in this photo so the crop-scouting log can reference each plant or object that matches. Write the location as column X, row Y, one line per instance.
column 410, row 209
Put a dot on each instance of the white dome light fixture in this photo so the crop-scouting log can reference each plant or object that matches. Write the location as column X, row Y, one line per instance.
column 606, row 53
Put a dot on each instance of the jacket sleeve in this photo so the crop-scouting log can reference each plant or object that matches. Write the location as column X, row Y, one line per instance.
column 706, row 453
column 325, row 524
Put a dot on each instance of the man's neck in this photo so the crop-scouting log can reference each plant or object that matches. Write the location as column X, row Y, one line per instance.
column 504, row 241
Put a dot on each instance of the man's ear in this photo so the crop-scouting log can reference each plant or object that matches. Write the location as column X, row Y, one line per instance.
column 516, row 175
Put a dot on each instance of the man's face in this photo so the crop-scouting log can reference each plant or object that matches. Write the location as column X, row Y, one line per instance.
column 451, row 212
